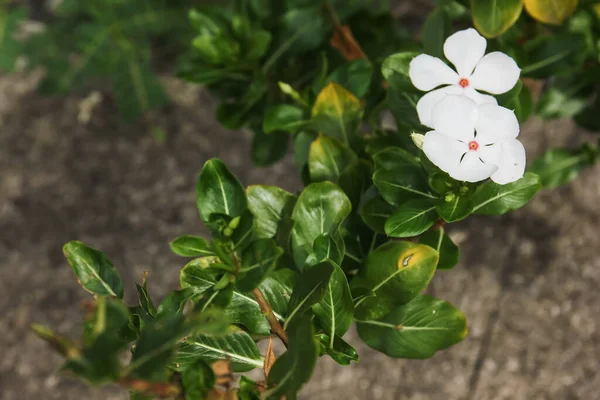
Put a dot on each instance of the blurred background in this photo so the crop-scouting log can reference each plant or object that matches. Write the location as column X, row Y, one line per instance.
column 527, row 282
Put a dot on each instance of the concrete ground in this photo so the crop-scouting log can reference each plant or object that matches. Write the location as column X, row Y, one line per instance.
column 528, row 282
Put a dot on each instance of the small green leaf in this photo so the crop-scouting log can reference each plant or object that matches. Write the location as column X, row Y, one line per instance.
column 336, row 310
column 283, row 117
column 354, row 75
column 219, row 192
column 494, row 199
column 341, row 352
column 328, row 158
column 329, row 247
column 61, row 344
column 411, row 219
column 145, row 299
column 295, row 367
column 375, row 212
column 258, row 259
column 195, row 275
column 174, row 302
column 442, row 243
column 93, row 269
column 198, row 379
column 191, row 246
column 559, row 166
column 337, row 113
column 395, row 272
column 268, row 205
column 236, row 346
column 458, row 208
column 494, row 18
column 310, row 290
column 415, row 330
column 320, row 209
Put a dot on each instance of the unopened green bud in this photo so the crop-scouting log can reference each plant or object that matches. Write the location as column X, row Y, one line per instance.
column 418, row 139
column 234, row 223
column 449, row 197
column 464, row 189
column 228, row 232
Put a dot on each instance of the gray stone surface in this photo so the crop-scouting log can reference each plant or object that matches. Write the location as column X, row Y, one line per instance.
column 528, row 282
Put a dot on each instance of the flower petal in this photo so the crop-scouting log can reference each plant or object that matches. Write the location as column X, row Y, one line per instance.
column 443, row 151
column 511, row 163
column 496, row 73
column 464, row 49
column 455, row 116
column 473, row 169
column 495, row 123
column 478, row 97
column 429, row 100
column 427, row 72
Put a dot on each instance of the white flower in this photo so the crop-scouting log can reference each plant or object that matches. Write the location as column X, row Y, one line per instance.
column 494, row 73
column 474, row 142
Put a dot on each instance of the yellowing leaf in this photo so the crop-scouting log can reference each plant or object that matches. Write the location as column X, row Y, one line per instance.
column 550, row 11
column 493, row 17
column 337, row 113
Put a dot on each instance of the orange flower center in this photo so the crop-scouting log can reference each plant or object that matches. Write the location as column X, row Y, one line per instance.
column 473, row 145
column 463, row 82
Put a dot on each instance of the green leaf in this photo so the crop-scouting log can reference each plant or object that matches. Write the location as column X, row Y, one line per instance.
column 435, row 31
column 395, row 158
column 268, row 205
column 93, row 269
column 494, row 199
column 310, row 290
column 283, row 117
column 411, row 219
column 320, row 209
column 336, row 310
column 395, row 272
column 198, row 380
column 329, row 247
column 295, row 367
column 553, row 55
column 397, row 185
column 559, row 166
column 236, row 346
column 402, row 97
column 302, row 30
column 442, row 243
column 341, row 352
column 10, row 47
column 191, row 246
column 145, row 300
column 355, row 180
column 267, row 149
column 458, row 208
column 195, row 275
column 302, row 142
column 174, row 302
column 375, row 212
column 328, row 158
column 415, row 330
column 353, row 75
column 337, row 113
column 258, row 259
column 493, row 18
column 61, row 344
column 219, row 192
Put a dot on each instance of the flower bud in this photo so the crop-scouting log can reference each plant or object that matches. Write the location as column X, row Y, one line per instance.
column 418, row 139
column 449, row 197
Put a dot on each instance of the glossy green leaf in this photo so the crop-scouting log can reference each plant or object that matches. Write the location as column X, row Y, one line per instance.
column 559, row 166
column 195, row 274
column 191, row 246
column 320, row 209
column 283, row 117
column 244, row 232
column 494, row 199
column 457, row 208
column 442, row 243
column 236, row 346
column 398, row 185
column 267, row 149
column 395, row 272
column 328, row 158
column 336, row 310
column 329, row 247
column 145, row 299
column 402, row 96
column 309, row 290
column 354, row 75
column 219, row 192
column 267, row 204
column 341, row 352
column 415, row 330
column 435, row 31
column 411, row 219
column 295, row 367
column 174, row 302
column 493, row 18
column 258, row 259
column 94, row 271
column 337, row 113
column 375, row 212
column 355, row 180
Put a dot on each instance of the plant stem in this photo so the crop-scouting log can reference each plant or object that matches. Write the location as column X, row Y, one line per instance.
column 266, row 309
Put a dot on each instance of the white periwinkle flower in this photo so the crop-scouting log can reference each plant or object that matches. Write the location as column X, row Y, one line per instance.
column 494, row 73
column 474, row 142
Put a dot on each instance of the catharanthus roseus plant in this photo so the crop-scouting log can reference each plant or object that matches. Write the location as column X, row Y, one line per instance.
column 358, row 244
